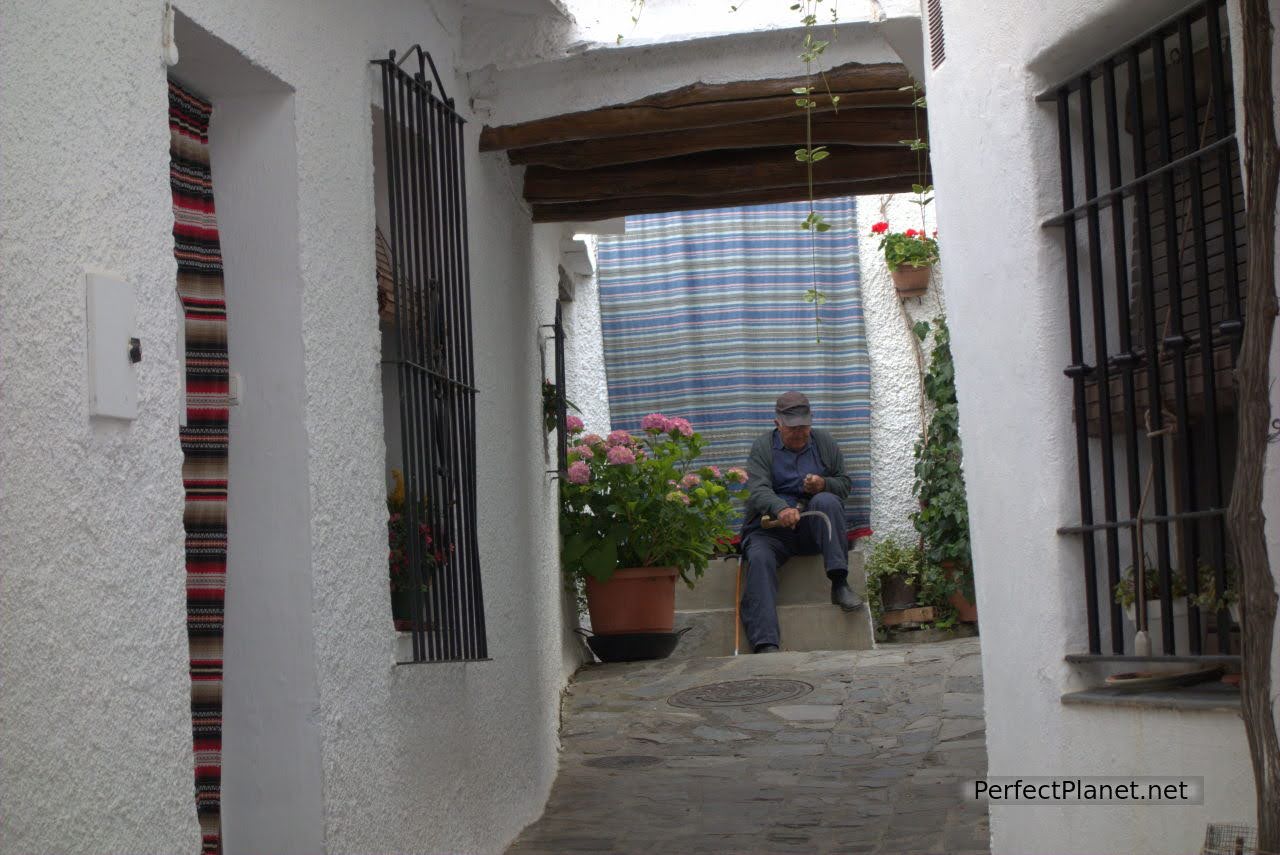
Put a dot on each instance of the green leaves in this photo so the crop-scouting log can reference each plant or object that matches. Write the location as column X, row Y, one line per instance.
column 812, row 155
column 815, row 222
column 943, row 518
column 813, row 295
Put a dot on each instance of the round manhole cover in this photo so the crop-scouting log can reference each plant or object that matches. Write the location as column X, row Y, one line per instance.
column 624, row 761
column 740, row 693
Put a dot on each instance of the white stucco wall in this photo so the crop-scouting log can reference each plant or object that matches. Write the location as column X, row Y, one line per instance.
column 996, row 170
column 895, row 384
column 93, row 617
column 587, row 384
column 414, row 758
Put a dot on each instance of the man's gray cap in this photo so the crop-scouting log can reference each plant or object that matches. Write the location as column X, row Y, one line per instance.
column 792, row 410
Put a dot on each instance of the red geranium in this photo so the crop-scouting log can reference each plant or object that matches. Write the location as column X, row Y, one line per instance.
column 880, row 228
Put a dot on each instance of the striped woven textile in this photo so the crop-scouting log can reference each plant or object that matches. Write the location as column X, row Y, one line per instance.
column 703, row 317
column 204, row 440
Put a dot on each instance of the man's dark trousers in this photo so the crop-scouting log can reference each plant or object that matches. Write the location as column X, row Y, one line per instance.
column 767, row 549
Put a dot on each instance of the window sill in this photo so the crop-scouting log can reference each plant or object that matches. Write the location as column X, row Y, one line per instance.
column 1206, row 697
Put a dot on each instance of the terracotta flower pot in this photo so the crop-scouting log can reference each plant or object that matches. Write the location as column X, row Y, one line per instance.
column 966, row 611
column 911, row 281
column 636, row 599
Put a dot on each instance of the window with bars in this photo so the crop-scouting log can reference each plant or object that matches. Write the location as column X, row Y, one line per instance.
column 1153, row 234
column 427, row 351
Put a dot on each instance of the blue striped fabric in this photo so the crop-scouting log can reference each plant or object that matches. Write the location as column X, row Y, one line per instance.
column 703, row 317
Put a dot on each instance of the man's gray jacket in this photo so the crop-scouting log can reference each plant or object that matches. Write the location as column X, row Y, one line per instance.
column 760, row 496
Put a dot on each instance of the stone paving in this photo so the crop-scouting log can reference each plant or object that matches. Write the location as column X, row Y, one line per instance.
column 870, row 760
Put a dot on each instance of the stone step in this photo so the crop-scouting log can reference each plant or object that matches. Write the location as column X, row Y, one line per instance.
column 801, row 581
column 804, row 627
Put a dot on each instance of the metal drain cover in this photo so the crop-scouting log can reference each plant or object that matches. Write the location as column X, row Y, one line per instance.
column 740, row 693
column 623, row 761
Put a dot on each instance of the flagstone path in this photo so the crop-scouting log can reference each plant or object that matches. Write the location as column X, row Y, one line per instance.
column 858, row 752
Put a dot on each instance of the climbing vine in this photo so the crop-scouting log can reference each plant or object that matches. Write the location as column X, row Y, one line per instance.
column 943, row 518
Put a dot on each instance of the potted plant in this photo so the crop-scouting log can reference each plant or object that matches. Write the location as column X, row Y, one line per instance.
column 1125, row 594
column 900, row 575
column 433, row 554
column 635, row 512
column 910, row 255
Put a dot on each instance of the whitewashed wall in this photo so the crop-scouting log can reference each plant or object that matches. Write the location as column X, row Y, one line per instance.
column 996, row 170
column 895, row 384
column 586, row 383
column 413, row 758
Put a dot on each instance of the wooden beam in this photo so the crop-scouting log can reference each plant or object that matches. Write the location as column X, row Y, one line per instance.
column 850, row 77
column 920, row 614
column 711, row 173
column 608, row 208
column 885, row 126
column 878, row 86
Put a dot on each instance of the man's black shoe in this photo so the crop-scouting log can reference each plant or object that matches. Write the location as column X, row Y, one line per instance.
column 844, row 597
column 766, row 648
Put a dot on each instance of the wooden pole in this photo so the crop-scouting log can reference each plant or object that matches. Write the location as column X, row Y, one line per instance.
column 1245, row 515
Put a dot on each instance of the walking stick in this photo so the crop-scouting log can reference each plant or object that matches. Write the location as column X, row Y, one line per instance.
column 737, row 607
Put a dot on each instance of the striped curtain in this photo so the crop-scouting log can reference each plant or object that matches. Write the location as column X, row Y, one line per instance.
column 703, row 317
column 204, row 440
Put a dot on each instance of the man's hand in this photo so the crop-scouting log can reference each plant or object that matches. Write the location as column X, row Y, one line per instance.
column 814, row 484
column 789, row 517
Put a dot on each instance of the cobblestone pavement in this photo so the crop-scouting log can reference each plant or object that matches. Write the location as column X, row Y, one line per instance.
column 869, row 760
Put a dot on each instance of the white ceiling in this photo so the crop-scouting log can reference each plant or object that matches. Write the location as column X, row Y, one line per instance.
column 521, row 7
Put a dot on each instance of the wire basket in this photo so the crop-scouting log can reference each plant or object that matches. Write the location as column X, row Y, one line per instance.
column 1225, row 838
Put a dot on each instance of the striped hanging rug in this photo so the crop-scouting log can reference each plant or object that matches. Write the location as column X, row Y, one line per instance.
column 703, row 316
column 204, row 440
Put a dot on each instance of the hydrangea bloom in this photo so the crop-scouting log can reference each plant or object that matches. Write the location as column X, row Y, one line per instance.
column 713, row 471
column 581, row 452
column 737, row 475
column 677, row 496
column 574, row 424
column 620, row 455
column 579, row 472
column 655, row 423
column 690, row 480
column 619, row 437
column 592, row 439
column 680, row 426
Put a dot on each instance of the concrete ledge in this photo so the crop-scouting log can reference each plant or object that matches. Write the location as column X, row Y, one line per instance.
column 801, row 581
column 804, row 627
column 1210, row 697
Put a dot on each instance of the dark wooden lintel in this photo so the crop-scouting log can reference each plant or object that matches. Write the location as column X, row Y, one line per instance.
column 604, row 209
column 712, row 173
column 708, row 105
column 884, row 126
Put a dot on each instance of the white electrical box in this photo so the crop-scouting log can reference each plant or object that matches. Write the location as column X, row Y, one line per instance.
column 113, row 346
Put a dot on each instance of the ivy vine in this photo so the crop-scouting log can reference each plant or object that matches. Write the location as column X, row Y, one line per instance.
column 943, row 518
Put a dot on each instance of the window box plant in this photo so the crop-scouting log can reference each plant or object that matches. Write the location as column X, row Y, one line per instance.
column 910, row 256
column 432, row 552
column 1207, row 601
column 635, row 513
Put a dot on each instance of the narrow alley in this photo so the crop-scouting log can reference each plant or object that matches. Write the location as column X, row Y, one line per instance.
column 825, row 752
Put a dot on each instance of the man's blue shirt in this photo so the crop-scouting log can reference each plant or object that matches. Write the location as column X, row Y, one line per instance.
column 791, row 467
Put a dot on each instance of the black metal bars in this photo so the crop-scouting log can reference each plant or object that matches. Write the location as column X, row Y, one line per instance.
column 1163, row 302
column 433, row 362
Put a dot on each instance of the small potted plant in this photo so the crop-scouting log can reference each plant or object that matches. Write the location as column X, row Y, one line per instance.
column 1125, row 594
column 900, row 575
column 910, row 255
column 635, row 512
column 432, row 554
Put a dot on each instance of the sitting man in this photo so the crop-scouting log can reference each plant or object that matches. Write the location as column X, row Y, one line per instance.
column 792, row 468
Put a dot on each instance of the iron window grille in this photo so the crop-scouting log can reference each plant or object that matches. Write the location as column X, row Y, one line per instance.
column 1155, row 268
column 433, row 359
column 560, row 402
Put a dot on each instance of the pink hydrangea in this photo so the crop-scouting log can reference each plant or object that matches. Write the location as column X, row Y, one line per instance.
column 690, row 480
column 737, row 475
column 592, row 439
column 581, row 452
column 680, row 426
column 677, row 496
column 579, row 472
column 712, row 472
column 574, row 424
column 619, row 437
column 655, row 423
column 620, row 455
